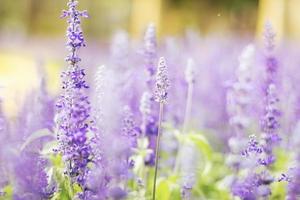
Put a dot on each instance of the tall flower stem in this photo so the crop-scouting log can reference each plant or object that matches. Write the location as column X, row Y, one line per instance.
column 161, row 108
column 188, row 108
column 190, row 79
column 187, row 115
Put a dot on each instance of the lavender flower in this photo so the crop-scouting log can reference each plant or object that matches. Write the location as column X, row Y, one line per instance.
column 270, row 125
column 145, row 104
column 31, row 179
column 161, row 95
column 293, row 190
column 148, row 125
column 119, row 50
column 238, row 106
column 162, row 82
column 239, row 94
column 129, row 129
column 100, row 86
column 254, row 186
column 73, row 106
column 74, row 31
column 270, row 121
column 38, row 117
column 150, row 52
column 258, row 183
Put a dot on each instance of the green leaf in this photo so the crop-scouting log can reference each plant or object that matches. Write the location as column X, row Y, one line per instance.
column 66, row 191
column 202, row 144
column 163, row 190
column 8, row 193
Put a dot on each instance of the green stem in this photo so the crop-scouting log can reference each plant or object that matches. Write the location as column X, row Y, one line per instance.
column 161, row 108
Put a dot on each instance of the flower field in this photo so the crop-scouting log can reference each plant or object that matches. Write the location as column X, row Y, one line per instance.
column 181, row 118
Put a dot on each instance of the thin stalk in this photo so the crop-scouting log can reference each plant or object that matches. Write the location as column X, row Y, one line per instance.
column 187, row 115
column 161, row 108
column 188, row 108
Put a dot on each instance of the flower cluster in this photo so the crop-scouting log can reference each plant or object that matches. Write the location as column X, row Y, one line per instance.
column 239, row 95
column 259, row 176
column 150, row 54
column 73, row 107
column 129, row 130
column 162, row 82
column 74, row 31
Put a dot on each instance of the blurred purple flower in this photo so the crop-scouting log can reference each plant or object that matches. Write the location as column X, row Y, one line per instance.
column 130, row 130
column 293, row 189
column 258, row 184
column 31, row 180
column 150, row 53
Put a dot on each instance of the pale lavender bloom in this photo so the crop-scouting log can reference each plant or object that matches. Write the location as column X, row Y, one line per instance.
column 270, row 121
column 149, row 124
column 112, row 165
column 119, row 50
column 145, row 104
column 129, row 128
column 239, row 94
column 100, row 86
column 162, row 83
column 190, row 71
column 150, row 53
column 31, row 181
column 40, row 116
column 254, row 186
column 293, row 189
column 239, row 99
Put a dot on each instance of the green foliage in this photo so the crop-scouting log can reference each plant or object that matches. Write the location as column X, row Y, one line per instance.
column 66, row 191
column 7, row 193
column 210, row 182
column 279, row 167
column 210, row 179
column 168, row 188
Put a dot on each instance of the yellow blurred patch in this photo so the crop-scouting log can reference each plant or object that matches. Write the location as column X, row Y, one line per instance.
column 19, row 76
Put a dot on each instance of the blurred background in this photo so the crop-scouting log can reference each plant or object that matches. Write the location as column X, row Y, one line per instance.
column 32, row 34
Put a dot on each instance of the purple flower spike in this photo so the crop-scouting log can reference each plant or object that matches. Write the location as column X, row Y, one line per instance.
column 74, row 31
column 129, row 129
column 150, row 51
column 162, row 82
column 257, row 185
column 73, row 107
